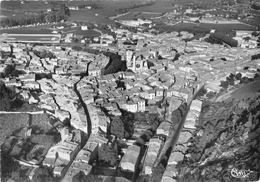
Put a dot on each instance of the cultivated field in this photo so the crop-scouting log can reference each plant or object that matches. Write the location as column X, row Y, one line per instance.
column 238, row 26
column 37, row 38
column 29, row 5
column 7, row 13
column 39, row 29
column 78, row 31
column 86, row 15
column 107, row 8
column 148, row 15
column 158, row 6
column 182, row 2
column 208, row 26
column 17, row 10
column 129, row 16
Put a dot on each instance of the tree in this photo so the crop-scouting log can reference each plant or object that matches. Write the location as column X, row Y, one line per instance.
column 5, row 97
column 254, row 33
column 79, row 177
column 107, row 155
column 43, row 174
column 221, row 36
column 117, row 25
column 123, row 127
column 15, row 73
column 255, row 6
column 238, row 76
column 128, row 119
column 64, row 10
column 117, row 127
column 157, row 173
column 8, row 165
column 256, row 56
column 8, row 70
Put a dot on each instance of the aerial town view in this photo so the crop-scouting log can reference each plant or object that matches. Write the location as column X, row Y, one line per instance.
column 130, row 91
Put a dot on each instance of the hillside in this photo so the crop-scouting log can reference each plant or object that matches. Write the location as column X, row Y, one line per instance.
column 226, row 147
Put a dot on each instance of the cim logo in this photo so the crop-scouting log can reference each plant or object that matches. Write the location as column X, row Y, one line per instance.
column 240, row 173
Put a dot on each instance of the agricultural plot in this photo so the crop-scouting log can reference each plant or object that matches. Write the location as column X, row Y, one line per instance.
column 7, row 13
column 107, row 8
column 28, row 5
column 129, row 16
column 237, row 26
column 37, row 38
column 158, row 6
column 148, row 15
column 85, row 33
column 28, row 30
column 85, row 15
column 182, row 2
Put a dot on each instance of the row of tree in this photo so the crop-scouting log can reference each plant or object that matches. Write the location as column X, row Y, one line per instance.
column 220, row 38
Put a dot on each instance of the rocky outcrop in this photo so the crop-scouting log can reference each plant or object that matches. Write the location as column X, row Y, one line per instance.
column 226, row 146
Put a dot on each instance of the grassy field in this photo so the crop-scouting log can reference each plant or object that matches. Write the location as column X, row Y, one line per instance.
column 26, row 30
column 107, row 8
column 147, row 15
column 129, row 16
column 40, row 29
column 7, row 13
column 208, row 26
column 41, row 122
column 188, row 26
column 17, row 10
column 85, row 15
column 182, row 2
column 227, row 26
column 85, row 33
column 158, row 6
column 12, row 122
column 29, row 5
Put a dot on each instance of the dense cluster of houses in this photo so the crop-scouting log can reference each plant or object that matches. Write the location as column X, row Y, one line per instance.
column 85, row 157
column 153, row 75
column 154, row 147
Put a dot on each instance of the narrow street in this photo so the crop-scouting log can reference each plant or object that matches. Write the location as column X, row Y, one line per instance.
column 84, row 107
column 172, row 140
